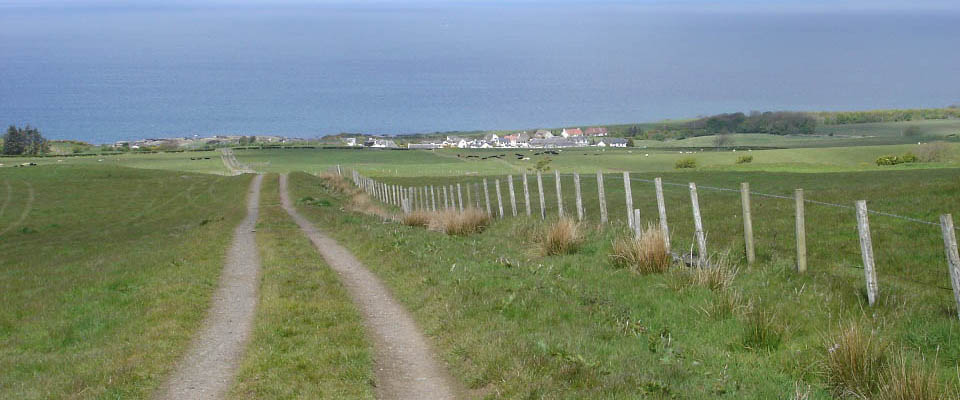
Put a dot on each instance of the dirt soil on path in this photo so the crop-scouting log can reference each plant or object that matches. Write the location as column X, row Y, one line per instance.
column 405, row 365
column 207, row 371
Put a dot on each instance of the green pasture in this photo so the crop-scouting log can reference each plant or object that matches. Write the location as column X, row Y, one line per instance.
column 163, row 161
column 514, row 323
column 105, row 274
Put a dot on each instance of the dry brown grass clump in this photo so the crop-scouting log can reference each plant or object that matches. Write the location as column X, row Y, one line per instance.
column 909, row 380
column 855, row 362
column 562, row 237
column 717, row 275
column 645, row 254
column 419, row 218
column 337, row 183
column 454, row 222
column 934, row 152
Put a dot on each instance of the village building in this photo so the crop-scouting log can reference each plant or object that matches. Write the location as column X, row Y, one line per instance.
column 596, row 131
column 612, row 142
column 569, row 132
column 542, row 134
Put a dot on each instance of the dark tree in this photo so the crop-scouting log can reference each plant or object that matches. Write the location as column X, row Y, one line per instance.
column 24, row 141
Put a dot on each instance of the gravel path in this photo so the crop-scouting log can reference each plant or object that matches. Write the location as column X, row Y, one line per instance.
column 405, row 365
column 208, row 369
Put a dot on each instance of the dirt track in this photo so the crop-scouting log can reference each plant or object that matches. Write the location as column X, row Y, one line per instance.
column 207, row 370
column 405, row 365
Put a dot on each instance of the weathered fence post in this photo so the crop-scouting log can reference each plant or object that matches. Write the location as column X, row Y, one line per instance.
column 469, row 198
column 339, row 173
column 513, row 196
column 747, row 222
column 866, row 249
column 543, row 205
column 953, row 258
column 496, row 184
column 476, row 189
column 603, row 198
column 629, row 196
column 556, row 175
column 453, row 199
column 576, row 188
column 698, row 225
column 801, row 232
column 662, row 210
column 486, row 196
column 526, row 193
column 446, row 200
column 412, row 197
column 433, row 198
column 460, row 196
column 637, row 230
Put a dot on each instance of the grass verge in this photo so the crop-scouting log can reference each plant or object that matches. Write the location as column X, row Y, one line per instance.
column 308, row 339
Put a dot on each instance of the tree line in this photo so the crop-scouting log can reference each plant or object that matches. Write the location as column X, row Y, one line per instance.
column 24, row 141
column 861, row 117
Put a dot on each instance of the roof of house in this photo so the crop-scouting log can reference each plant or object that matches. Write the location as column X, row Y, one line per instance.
column 615, row 140
column 596, row 131
column 573, row 131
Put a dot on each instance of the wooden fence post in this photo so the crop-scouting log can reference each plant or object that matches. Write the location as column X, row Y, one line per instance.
column 747, row 222
column 476, row 189
column 460, row 196
column 556, row 175
column 446, row 200
column 339, row 173
column 637, row 230
column 801, row 232
column 486, row 196
column 576, row 189
column 698, row 225
column 433, row 198
column 866, row 249
column 469, row 198
column 453, row 199
column 953, row 258
column 496, row 184
column 662, row 210
column 543, row 205
column 513, row 196
column 603, row 198
column 526, row 193
column 628, row 192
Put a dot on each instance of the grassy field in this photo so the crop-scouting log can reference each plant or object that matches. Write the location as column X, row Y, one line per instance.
column 105, row 274
column 308, row 340
column 207, row 162
column 515, row 323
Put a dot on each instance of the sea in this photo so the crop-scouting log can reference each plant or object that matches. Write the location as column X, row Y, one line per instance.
column 102, row 71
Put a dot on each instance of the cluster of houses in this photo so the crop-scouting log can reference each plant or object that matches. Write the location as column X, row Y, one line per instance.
column 542, row 139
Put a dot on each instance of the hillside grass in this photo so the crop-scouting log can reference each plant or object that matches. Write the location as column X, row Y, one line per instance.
column 308, row 339
column 108, row 275
column 515, row 323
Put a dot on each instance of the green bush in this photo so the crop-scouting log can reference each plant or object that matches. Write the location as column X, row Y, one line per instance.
column 894, row 160
column 685, row 163
column 744, row 159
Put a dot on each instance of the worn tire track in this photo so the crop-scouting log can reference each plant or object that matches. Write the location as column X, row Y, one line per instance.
column 207, row 371
column 405, row 365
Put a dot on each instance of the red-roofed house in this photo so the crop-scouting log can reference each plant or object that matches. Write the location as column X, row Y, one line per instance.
column 596, row 131
column 571, row 132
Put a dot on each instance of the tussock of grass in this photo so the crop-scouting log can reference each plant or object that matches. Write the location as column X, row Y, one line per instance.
column 727, row 303
column 645, row 254
column 336, row 183
column 906, row 379
column 453, row 222
column 763, row 330
column 417, row 218
column 855, row 362
column 562, row 237
column 719, row 275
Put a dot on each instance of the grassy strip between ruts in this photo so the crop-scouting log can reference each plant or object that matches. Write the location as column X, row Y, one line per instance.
column 108, row 276
column 514, row 323
column 308, row 337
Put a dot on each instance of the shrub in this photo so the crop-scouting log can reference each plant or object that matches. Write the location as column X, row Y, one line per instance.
column 855, row 361
column 744, row 159
column 417, row 218
column 933, row 152
column 645, row 254
column 454, row 222
column 685, row 163
column 562, row 237
column 894, row 160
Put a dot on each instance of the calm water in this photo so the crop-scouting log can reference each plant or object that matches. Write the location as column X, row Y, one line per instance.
column 108, row 73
